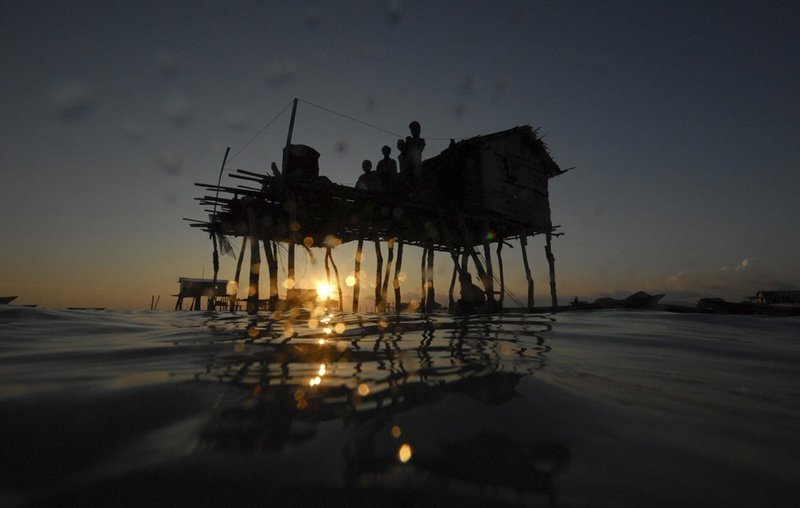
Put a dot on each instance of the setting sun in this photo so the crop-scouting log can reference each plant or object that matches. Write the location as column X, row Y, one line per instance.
column 323, row 291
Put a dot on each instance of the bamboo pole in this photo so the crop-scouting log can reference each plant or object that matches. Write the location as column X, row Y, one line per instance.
column 451, row 302
column 336, row 274
column 357, row 285
column 212, row 303
column 378, row 276
column 523, row 243
column 489, row 276
column 385, row 284
column 551, row 260
column 328, row 276
column 430, row 296
column 238, row 273
column 423, row 292
column 255, row 263
column 272, row 265
column 396, row 282
column 500, row 267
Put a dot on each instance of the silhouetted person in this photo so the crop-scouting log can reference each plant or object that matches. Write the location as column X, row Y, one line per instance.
column 367, row 180
column 472, row 297
column 387, row 169
column 406, row 172
column 414, row 147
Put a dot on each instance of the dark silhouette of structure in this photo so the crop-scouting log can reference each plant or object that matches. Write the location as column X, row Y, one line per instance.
column 477, row 193
column 196, row 289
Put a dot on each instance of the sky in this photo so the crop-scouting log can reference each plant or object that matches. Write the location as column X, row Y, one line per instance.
column 681, row 121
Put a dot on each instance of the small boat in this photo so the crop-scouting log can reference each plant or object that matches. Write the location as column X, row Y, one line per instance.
column 4, row 300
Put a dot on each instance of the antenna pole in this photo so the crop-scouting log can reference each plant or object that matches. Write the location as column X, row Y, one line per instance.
column 289, row 136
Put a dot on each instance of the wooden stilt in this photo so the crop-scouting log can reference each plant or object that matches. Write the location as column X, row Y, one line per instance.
column 423, row 290
column 290, row 265
column 523, row 243
column 489, row 284
column 396, row 282
column 478, row 266
column 430, row 295
column 378, row 276
column 500, row 267
column 357, row 285
column 255, row 264
column 385, row 283
column 451, row 302
column 336, row 274
column 238, row 274
column 328, row 276
column 272, row 266
column 551, row 260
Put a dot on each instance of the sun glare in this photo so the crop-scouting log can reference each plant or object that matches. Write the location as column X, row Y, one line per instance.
column 323, row 291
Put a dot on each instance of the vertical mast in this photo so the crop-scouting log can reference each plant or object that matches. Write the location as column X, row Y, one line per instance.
column 290, row 198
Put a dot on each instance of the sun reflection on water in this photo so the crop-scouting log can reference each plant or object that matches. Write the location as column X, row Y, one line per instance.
column 300, row 369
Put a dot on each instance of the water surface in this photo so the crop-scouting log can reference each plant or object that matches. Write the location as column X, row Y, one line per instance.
column 576, row 409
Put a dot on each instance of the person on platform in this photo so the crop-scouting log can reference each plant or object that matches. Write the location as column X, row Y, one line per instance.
column 387, row 169
column 368, row 181
column 414, row 147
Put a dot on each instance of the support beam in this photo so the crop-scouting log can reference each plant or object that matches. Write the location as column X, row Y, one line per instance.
column 551, row 260
column 272, row 265
column 500, row 267
column 423, row 290
column 385, row 283
column 378, row 276
column 357, row 285
column 396, row 280
column 338, row 280
column 523, row 243
column 430, row 295
column 255, row 263
column 328, row 276
column 451, row 302
column 489, row 277
column 238, row 274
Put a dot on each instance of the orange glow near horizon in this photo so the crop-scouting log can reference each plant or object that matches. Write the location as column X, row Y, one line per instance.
column 324, row 291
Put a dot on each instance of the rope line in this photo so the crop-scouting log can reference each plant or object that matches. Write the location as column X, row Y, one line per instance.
column 260, row 132
column 351, row 118
column 367, row 123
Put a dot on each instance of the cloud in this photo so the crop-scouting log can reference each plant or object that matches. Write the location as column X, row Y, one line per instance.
column 236, row 119
column 280, row 72
column 71, row 99
column 732, row 282
column 166, row 64
column 744, row 264
column 394, row 12
column 133, row 130
column 178, row 110
column 170, row 163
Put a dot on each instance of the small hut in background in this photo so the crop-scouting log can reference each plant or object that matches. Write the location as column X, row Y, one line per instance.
column 197, row 289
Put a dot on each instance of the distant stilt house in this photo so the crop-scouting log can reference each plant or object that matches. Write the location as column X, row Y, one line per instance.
column 197, row 289
column 785, row 297
column 476, row 195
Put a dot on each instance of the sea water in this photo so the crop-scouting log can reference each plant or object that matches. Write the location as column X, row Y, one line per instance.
column 600, row 408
